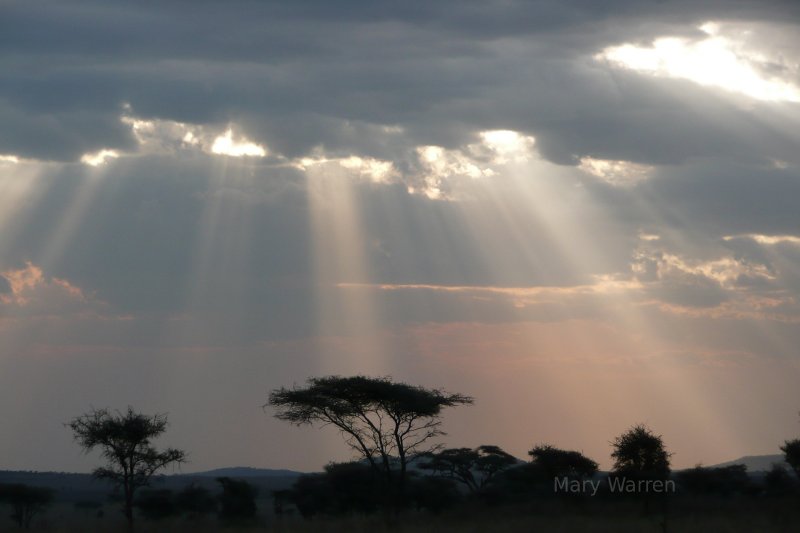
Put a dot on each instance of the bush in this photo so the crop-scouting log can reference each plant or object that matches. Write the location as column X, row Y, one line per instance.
column 342, row 488
column 724, row 480
column 434, row 494
column 238, row 499
column 778, row 481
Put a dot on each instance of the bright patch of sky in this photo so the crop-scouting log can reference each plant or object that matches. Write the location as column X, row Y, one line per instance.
column 716, row 59
column 226, row 144
column 99, row 158
column 617, row 173
column 766, row 239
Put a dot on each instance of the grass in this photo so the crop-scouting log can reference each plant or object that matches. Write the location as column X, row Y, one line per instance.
column 684, row 516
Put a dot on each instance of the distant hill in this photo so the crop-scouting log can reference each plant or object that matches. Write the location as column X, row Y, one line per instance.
column 756, row 463
column 245, row 471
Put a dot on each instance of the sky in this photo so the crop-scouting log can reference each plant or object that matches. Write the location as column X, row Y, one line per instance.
column 583, row 214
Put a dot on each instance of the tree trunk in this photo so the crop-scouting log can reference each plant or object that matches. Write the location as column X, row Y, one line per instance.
column 129, row 505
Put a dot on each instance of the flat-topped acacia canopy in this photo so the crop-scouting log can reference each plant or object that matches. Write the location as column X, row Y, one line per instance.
column 380, row 418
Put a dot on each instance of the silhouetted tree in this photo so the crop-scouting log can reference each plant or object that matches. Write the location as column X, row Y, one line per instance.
column 639, row 453
column 379, row 418
column 552, row 462
column 238, row 499
column 475, row 468
column 26, row 502
column 125, row 443
column 791, row 453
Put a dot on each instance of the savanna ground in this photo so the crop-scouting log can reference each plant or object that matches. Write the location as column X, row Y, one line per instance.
column 708, row 515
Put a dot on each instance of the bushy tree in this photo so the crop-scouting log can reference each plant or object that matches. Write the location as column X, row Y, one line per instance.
column 552, row 462
column 26, row 502
column 124, row 439
column 382, row 421
column 639, row 453
column 474, row 468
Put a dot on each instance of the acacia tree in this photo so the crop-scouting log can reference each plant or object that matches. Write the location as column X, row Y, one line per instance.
column 380, row 419
column 124, row 439
column 474, row 468
column 641, row 453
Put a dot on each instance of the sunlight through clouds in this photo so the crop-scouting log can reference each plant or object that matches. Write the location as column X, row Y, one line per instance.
column 714, row 60
column 617, row 173
column 507, row 145
column 766, row 239
column 369, row 168
column 475, row 160
column 159, row 135
column 225, row 144
column 99, row 158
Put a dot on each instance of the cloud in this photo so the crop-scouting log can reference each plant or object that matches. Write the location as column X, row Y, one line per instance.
column 712, row 60
column 272, row 189
column 31, row 294
column 407, row 74
column 618, row 173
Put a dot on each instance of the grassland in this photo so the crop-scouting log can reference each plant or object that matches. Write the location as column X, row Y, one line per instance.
column 732, row 515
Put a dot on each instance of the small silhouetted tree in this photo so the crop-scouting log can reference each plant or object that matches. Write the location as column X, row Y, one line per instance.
column 380, row 419
column 552, row 462
column 26, row 502
column 238, row 499
column 791, row 453
column 124, row 439
column 639, row 453
column 475, row 468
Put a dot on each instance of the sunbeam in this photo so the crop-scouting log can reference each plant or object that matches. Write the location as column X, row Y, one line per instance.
column 340, row 255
